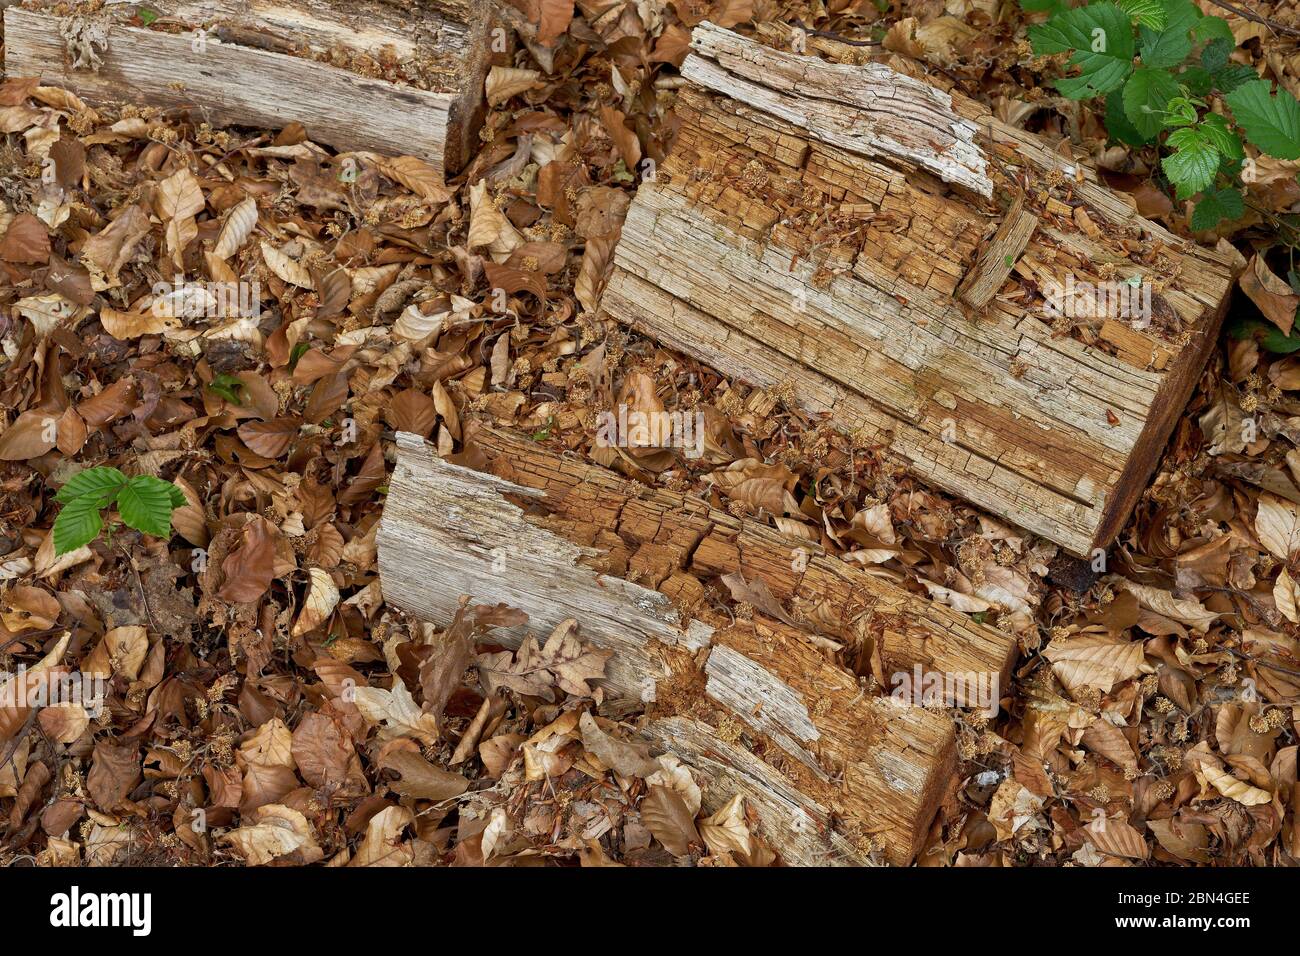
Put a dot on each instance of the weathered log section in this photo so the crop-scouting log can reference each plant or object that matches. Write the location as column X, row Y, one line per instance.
column 672, row 542
column 358, row 74
column 826, row 764
column 891, row 250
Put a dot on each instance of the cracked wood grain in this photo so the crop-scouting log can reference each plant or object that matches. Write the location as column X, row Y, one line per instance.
column 673, row 541
column 757, row 706
column 779, row 249
column 243, row 72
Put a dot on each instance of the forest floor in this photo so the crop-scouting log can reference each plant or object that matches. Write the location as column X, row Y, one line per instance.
column 1155, row 709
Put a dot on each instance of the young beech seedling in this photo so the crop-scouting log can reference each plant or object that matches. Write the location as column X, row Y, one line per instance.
column 144, row 502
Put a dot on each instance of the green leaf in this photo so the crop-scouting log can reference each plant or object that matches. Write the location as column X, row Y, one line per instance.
column 1221, row 137
column 1198, row 81
column 146, row 505
column 1101, row 38
column 1118, row 125
column 147, row 16
column 100, row 483
column 1170, row 46
column 1181, row 112
column 1233, row 76
column 1146, row 96
column 1270, row 121
column 77, row 524
column 228, row 387
column 1268, row 335
column 1039, row 6
column 1149, row 13
column 1216, row 206
column 1192, row 168
column 177, row 496
column 1212, row 29
column 1215, row 55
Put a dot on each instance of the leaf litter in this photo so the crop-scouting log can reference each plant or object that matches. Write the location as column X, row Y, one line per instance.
column 256, row 681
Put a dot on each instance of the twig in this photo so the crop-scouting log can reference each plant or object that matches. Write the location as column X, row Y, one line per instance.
column 1261, row 663
column 1257, row 18
column 29, row 635
column 12, row 749
column 144, row 598
column 828, row 34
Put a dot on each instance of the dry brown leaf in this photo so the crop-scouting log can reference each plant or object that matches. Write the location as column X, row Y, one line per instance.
column 126, row 326
column 417, row 176
column 504, row 82
column 1277, row 523
column 270, row 439
column 382, row 845
column 287, row 268
column 419, row 778
column 1231, row 787
column 665, row 814
column 32, row 434
column 1093, row 660
column 1188, row 611
column 1117, row 837
column 1272, row 296
column 321, row 600
column 238, row 227
column 628, row 760
column 397, row 712
column 277, row 831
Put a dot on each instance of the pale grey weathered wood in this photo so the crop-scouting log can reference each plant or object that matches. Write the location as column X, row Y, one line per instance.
column 827, row 228
column 448, row 532
column 248, row 79
column 840, row 770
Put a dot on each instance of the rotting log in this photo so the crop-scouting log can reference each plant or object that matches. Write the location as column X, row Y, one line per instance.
column 672, row 542
column 826, row 765
column 950, row 287
column 357, row 74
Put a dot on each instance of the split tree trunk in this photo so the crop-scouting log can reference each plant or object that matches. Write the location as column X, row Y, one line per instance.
column 888, row 249
column 826, row 764
column 272, row 62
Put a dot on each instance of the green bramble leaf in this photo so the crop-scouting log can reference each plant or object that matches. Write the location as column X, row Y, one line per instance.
column 1216, row 206
column 1040, row 6
column 1270, row 121
column 1180, row 111
column 146, row 504
column 1196, row 81
column 1233, row 76
column 1214, row 28
column 1215, row 128
column 1171, row 45
column 1118, row 125
column 77, row 524
column 1192, row 168
column 1149, row 13
column 1100, row 39
column 1215, row 55
column 1146, row 96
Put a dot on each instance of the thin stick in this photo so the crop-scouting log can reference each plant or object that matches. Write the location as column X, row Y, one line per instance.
column 1257, row 18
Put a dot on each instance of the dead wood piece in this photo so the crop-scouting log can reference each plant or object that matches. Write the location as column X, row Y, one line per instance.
column 360, row 75
column 826, row 227
column 757, row 706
